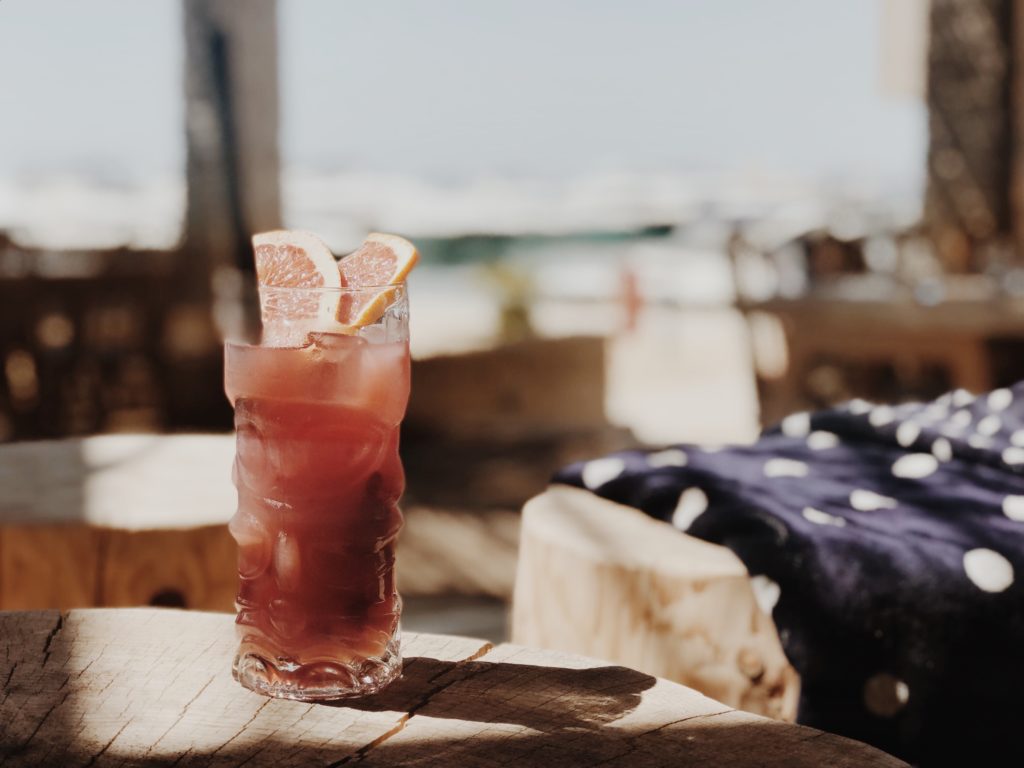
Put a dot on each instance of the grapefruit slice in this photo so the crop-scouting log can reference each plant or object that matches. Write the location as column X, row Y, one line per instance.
column 382, row 260
column 296, row 259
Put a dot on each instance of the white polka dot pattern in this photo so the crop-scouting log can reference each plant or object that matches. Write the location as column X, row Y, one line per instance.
column 907, row 433
column 915, row 466
column 902, row 692
column 951, row 430
column 1013, row 508
column 942, row 449
column 885, row 695
column 1000, row 399
column 989, row 425
column 881, row 415
column 693, row 503
column 1014, row 456
column 962, row 397
column 785, row 468
column 988, row 570
column 819, row 440
column 796, row 424
column 670, row 457
column 869, row 501
column 600, row 471
column 766, row 592
column 960, row 419
column 822, row 518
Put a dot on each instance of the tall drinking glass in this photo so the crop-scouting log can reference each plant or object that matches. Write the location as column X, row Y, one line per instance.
column 317, row 415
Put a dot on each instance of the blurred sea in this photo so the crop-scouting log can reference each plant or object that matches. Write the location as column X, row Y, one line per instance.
column 77, row 211
column 570, row 240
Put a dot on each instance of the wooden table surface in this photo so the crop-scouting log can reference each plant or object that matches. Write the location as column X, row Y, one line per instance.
column 111, row 687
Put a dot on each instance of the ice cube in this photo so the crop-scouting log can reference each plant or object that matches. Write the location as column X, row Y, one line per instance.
column 287, row 618
column 253, row 544
column 287, row 563
column 374, row 334
column 284, row 333
column 335, row 376
column 334, row 344
column 396, row 325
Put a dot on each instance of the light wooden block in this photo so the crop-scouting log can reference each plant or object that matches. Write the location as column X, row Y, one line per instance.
column 604, row 580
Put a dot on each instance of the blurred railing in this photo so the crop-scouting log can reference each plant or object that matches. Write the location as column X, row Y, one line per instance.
column 879, row 316
column 97, row 342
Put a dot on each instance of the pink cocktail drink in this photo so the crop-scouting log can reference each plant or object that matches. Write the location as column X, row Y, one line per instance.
column 319, row 478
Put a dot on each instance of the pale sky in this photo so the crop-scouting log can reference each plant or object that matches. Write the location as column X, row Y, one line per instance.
column 463, row 89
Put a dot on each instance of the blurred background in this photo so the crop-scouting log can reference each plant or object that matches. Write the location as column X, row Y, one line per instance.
column 640, row 223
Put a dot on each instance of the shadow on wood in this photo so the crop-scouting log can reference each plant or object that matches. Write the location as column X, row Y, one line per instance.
column 152, row 687
column 598, row 695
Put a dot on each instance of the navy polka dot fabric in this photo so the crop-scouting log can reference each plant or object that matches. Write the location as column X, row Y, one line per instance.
column 887, row 543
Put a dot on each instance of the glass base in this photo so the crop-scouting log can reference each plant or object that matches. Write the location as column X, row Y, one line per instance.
column 282, row 678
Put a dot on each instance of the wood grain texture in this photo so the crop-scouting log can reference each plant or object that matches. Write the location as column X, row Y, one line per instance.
column 117, row 520
column 152, row 687
column 49, row 566
column 970, row 121
column 195, row 565
column 604, row 580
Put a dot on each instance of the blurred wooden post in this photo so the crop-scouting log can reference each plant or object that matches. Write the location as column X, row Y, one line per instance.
column 1017, row 107
column 231, row 125
column 973, row 127
column 233, row 169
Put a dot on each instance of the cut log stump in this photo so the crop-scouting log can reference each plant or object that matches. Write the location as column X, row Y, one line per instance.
column 130, row 520
column 117, row 520
column 604, row 580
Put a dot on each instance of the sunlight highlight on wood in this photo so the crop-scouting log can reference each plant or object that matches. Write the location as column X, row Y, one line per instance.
column 147, row 687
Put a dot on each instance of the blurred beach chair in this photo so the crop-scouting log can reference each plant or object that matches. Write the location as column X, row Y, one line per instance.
column 825, row 328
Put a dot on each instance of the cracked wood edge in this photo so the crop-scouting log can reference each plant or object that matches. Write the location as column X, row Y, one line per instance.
column 446, row 680
column 26, row 642
column 141, row 686
column 145, row 687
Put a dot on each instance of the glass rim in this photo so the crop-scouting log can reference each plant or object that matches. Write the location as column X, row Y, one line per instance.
column 333, row 289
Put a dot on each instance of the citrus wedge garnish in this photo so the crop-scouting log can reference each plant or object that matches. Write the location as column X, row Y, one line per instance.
column 381, row 261
column 296, row 259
